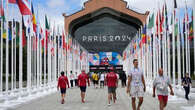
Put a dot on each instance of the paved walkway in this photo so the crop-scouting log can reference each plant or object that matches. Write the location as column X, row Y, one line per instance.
column 97, row 100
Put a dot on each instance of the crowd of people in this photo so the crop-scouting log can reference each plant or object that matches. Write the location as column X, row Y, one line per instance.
column 135, row 86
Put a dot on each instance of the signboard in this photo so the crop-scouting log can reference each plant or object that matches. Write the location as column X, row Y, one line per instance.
column 104, row 68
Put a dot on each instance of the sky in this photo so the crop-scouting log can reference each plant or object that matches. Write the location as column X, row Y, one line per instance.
column 55, row 8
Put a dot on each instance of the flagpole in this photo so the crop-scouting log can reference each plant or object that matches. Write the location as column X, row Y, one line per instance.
column 58, row 55
column 183, row 54
column 15, row 58
column 186, row 42
column 194, row 30
column 7, row 47
column 30, row 58
column 154, row 51
column 28, row 62
column 20, row 58
column 12, row 63
column 38, row 63
column 179, row 56
column 45, row 60
column 40, row 52
column 173, row 44
column 169, row 56
column 55, row 57
column 1, row 72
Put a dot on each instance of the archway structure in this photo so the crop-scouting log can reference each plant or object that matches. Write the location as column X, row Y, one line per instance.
column 104, row 25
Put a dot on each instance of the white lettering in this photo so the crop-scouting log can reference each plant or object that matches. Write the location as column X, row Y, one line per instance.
column 117, row 38
column 123, row 38
column 129, row 38
column 84, row 38
column 95, row 38
column 111, row 38
column 90, row 38
column 104, row 39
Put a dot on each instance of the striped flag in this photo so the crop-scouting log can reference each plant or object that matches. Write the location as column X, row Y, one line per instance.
column 23, row 5
column 33, row 19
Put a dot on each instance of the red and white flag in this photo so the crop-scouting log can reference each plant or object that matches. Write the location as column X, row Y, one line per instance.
column 23, row 5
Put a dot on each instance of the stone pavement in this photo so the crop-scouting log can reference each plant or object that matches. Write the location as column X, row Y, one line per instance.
column 96, row 99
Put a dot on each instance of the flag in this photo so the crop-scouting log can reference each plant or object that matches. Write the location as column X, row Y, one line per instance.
column 23, row 33
column 3, row 20
column 124, row 55
column 23, row 6
column 157, row 23
column 14, row 28
column 166, row 18
column 176, row 28
column 46, row 30
column 10, row 33
column 12, row 1
column 191, row 32
column 144, row 34
column 175, row 3
column 161, row 20
column 17, row 33
column 151, row 22
column 63, row 40
column 33, row 19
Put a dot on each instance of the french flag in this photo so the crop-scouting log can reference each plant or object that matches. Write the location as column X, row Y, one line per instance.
column 23, row 5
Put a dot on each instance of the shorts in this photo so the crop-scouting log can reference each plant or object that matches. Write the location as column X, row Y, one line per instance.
column 96, row 82
column 83, row 88
column 111, row 89
column 137, row 91
column 163, row 97
column 63, row 90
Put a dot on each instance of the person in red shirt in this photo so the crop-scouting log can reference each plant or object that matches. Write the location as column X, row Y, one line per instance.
column 112, row 83
column 62, row 83
column 82, row 82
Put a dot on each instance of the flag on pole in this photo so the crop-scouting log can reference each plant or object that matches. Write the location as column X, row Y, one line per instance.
column 157, row 23
column 176, row 28
column 144, row 35
column 23, row 5
column 12, row 1
column 166, row 17
column 151, row 22
column 33, row 19
column 23, row 33
column 175, row 3
column 191, row 29
column 46, row 31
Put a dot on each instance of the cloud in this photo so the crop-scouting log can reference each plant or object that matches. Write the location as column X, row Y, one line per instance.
column 55, row 3
column 82, row 2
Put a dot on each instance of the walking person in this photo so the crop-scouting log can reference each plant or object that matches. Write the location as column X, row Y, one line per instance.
column 82, row 82
column 95, row 78
column 186, row 82
column 76, row 79
column 71, row 79
column 136, row 85
column 123, row 79
column 112, row 83
column 62, row 83
column 161, row 84
column 102, row 78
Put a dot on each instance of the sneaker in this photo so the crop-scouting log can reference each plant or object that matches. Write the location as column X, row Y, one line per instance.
column 62, row 101
column 109, row 104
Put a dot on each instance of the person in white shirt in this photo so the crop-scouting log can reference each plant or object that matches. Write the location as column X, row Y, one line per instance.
column 71, row 79
column 102, row 78
column 161, row 84
column 136, row 85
